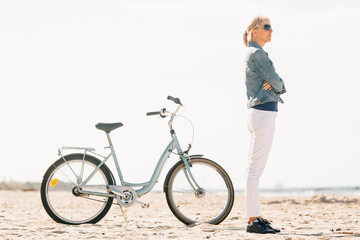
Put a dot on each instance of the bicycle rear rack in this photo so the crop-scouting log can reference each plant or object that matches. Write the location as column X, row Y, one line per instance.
column 75, row 148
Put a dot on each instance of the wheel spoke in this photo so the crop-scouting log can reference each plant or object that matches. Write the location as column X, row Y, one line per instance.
column 62, row 201
column 211, row 204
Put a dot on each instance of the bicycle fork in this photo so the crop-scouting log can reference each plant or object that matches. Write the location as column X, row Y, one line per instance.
column 199, row 192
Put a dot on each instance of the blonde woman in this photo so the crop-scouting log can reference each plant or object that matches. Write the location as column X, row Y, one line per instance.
column 264, row 87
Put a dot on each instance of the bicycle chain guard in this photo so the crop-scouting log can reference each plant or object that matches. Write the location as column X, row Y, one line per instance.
column 125, row 196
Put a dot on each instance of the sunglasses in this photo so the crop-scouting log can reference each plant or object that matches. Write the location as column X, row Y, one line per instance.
column 267, row 27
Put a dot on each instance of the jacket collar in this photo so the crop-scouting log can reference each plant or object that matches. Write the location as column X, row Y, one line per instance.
column 254, row 44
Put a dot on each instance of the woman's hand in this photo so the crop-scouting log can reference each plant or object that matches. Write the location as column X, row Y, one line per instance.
column 267, row 86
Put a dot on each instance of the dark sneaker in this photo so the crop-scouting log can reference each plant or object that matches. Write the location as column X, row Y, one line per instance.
column 267, row 222
column 259, row 226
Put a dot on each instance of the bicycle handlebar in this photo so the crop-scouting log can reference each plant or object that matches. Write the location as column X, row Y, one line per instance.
column 162, row 113
column 175, row 100
column 153, row 113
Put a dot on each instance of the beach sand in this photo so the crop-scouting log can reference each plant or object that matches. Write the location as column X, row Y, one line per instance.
column 299, row 217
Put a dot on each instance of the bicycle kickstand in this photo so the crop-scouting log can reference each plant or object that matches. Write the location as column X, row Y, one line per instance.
column 123, row 213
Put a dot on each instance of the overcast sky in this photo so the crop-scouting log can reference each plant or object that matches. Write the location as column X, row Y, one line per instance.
column 66, row 65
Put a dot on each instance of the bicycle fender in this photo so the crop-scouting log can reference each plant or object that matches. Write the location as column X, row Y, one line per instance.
column 196, row 155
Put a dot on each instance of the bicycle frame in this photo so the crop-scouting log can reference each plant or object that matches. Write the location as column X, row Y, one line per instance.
column 144, row 187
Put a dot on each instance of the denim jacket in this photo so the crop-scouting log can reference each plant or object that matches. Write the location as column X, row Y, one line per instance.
column 260, row 69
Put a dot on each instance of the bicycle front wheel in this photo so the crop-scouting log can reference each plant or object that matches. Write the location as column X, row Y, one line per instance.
column 210, row 202
column 61, row 197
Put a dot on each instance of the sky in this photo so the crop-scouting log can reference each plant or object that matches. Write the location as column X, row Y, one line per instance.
column 67, row 65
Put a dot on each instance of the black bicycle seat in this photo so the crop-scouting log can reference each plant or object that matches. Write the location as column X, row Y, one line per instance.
column 108, row 127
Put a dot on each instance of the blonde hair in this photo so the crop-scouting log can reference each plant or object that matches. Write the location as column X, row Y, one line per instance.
column 253, row 24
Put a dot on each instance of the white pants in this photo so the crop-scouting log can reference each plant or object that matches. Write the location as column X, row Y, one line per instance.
column 261, row 125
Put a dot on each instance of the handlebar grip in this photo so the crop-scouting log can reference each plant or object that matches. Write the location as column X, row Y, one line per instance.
column 152, row 113
column 175, row 100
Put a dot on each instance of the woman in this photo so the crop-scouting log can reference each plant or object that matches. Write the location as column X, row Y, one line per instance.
column 264, row 87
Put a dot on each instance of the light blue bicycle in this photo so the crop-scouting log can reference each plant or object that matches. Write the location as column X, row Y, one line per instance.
column 79, row 188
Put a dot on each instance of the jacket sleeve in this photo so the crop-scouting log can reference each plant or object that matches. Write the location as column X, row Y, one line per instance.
column 267, row 72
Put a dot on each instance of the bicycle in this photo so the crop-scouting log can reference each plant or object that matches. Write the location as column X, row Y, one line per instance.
column 79, row 188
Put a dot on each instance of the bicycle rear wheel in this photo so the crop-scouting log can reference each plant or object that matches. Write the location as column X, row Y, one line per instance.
column 59, row 194
column 211, row 203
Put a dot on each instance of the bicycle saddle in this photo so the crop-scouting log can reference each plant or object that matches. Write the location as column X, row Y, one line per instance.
column 108, row 127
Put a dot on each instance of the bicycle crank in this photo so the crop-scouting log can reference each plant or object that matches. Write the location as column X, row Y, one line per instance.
column 125, row 196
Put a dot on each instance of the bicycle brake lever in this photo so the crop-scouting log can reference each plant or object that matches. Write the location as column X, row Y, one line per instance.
column 162, row 113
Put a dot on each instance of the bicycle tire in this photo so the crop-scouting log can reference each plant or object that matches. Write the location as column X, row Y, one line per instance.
column 59, row 197
column 215, row 202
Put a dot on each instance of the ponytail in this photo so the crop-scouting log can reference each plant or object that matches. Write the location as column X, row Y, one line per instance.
column 245, row 38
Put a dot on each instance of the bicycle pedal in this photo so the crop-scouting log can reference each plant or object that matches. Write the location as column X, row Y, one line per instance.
column 143, row 205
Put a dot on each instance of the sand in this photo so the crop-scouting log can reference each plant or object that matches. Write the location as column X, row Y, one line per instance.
column 299, row 217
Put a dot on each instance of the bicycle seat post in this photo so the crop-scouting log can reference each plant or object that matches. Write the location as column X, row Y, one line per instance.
column 109, row 140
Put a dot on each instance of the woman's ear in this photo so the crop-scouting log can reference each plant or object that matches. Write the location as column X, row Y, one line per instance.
column 254, row 31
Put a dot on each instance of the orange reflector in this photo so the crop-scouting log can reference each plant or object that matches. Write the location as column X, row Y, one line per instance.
column 54, row 182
